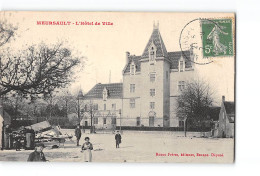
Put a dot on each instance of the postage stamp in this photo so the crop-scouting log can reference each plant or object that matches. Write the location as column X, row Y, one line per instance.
column 217, row 37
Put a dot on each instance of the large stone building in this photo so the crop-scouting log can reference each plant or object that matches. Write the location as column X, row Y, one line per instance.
column 147, row 96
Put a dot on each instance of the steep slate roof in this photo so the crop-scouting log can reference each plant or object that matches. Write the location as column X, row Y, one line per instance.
column 161, row 51
column 137, row 62
column 230, row 110
column 114, row 91
column 156, row 38
column 174, row 58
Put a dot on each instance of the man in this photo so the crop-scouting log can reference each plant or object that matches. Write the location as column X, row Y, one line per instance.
column 118, row 139
column 37, row 155
column 78, row 134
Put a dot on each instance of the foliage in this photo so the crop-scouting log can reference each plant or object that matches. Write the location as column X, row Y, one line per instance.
column 194, row 101
column 37, row 70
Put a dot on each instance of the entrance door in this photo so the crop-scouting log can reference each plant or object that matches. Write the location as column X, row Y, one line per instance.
column 166, row 121
column 151, row 121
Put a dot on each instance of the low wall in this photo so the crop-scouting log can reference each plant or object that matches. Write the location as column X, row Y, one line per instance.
column 145, row 128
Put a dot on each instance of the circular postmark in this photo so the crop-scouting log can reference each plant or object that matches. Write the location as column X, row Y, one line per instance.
column 207, row 39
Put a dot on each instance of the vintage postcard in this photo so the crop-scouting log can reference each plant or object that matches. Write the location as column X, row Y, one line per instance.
column 117, row 87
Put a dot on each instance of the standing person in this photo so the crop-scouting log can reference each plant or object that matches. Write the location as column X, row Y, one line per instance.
column 78, row 134
column 18, row 144
column 118, row 139
column 37, row 155
column 86, row 150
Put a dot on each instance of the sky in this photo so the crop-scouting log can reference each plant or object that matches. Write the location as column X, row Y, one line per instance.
column 104, row 46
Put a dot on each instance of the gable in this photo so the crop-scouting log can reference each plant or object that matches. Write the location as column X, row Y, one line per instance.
column 114, row 91
column 155, row 39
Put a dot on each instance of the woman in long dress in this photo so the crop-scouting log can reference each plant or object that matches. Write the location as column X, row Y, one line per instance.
column 86, row 150
column 214, row 35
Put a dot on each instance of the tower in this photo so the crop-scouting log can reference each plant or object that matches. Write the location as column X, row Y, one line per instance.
column 155, row 96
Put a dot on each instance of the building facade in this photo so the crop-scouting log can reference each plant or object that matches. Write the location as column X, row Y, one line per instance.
column 151, row 85
column 226, row 122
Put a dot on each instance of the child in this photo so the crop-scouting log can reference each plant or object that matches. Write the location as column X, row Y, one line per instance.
column 18, row 145
column 86, row 150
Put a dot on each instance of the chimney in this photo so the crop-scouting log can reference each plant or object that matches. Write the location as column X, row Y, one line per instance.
column 223, row 98
column 127, row 56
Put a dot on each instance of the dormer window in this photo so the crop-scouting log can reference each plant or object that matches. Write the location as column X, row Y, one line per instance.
column 105, row 94
column 132, row 68
column 181, row 65
column 152, row 53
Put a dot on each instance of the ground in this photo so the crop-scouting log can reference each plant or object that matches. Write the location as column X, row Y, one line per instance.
column 138, row 146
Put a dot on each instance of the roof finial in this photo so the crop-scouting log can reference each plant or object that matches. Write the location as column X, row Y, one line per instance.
column 155, row 26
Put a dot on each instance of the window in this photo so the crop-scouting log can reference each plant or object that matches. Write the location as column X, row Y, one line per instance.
column 181, row 123
column 181, row 85
column 113, row 121
column 152, row 54
column 132, row 103
column 95, row 120
column 152, row 92
column 152, row 105
column 95, row 107
column 132, row 88
column 138, row 122
column 152, row 77
column 113, row 106
column 105, row 94
column 105, row 107
column 132, row 70
column 181, row 66
column 104, row 121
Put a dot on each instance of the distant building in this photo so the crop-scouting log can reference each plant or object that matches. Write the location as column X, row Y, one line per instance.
column 148, row 94
column 226, row 122
column 105, row 102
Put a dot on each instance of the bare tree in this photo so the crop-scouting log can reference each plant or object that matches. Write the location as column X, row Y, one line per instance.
column 50, row 99
column 37, row 70
column 77, row 105
column 91, row 109
column 7, row 32
column 65, row 100
column 194, row 101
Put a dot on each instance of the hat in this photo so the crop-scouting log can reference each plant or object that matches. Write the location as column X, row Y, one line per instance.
column 40, row 145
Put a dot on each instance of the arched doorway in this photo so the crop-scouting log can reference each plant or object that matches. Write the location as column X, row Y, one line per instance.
column 166, row 121
column 151, row 116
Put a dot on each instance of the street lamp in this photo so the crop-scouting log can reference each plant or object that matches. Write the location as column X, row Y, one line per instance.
column 185, row 130
column 120, row 118
column 80, row 95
